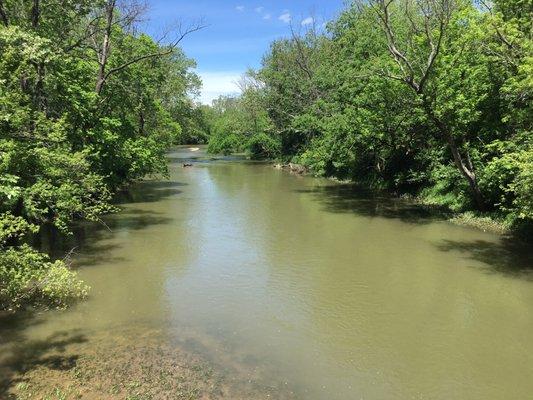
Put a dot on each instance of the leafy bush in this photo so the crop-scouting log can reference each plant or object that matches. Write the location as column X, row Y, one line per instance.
column 263, row 146
column 224, row 143
column 522, row 187
column 446, row 188
column 30, row 277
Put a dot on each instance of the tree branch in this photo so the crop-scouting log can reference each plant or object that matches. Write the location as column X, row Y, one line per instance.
column 169, row 50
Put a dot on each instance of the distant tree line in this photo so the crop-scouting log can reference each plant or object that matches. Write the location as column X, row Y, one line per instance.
column 427, row 97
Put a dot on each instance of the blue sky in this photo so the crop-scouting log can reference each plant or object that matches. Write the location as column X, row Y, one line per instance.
column 237, row 35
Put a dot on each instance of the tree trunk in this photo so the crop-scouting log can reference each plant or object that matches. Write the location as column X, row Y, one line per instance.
column 141, row 123
column 106, row 45
column 467, row 171
column 35, row 14
column 466, row 168
column 39, row 98
column 3, row 15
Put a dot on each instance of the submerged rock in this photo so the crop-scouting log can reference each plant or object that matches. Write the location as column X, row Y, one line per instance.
column 298, row 168
column 292, row 167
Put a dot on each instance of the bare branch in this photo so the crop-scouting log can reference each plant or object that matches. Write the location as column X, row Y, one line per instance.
column 301, row 60
column 402, row 61
column 184, row 32
column 136, row 60
column 130, row 14
column 443, row 21
column 170, row 49
column 501, row 36
column 428, row 14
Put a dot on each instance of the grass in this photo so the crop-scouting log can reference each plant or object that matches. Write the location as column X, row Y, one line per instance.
column 486, row 223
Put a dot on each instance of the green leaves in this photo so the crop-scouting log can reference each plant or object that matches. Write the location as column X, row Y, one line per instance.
column 14, row 228
column 64, row 149
column 27, row 276
column 8, row 187
column 346, row 106
column 242, row 124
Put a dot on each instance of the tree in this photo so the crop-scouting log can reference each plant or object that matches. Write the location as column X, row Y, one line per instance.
column 426, row 22
column 66, row 147
column 125, row 18
column 426, row 97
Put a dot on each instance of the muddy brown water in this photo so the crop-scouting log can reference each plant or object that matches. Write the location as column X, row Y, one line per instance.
column 303, row 287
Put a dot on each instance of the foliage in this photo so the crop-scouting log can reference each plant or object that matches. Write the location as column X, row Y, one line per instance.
column 28, row 276
column 224, row 143
column 262, row 145
column 242, row 124
column 87, row 105
column 429, row 98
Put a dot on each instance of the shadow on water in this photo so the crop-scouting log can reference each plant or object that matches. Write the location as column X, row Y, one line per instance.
column 347, row 198
column 149, row 192
column 20, row 355
column 90, row 243
column 90, row 240
column 509, row 256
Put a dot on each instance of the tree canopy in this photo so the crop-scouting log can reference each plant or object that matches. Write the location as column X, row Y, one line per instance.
column 87, row 105
column 427, row 97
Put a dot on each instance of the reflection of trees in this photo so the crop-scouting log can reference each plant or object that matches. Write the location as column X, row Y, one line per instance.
column 327, row 284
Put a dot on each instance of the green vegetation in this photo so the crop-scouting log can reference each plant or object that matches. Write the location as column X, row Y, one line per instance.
column 430, row 98
column 86, row 106
column 240, row 124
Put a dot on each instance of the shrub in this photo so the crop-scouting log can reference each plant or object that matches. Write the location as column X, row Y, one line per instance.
column 224, row 143
column 30, row 277
column 263, row 146
column 27, row 276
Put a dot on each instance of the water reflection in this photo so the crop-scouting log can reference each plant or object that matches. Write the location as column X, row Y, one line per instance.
column 150, row 191
column 507, row 255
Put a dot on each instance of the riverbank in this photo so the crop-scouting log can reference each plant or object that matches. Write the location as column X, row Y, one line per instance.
column 486, row 222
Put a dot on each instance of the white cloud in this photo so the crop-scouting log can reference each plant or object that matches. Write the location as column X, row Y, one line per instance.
column 239, row 8
column 308, row 21
column 267, row 16
column 285, row 17
column 218, row 83
column 259, row 9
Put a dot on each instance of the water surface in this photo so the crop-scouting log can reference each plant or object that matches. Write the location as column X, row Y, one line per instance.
column 312, row 288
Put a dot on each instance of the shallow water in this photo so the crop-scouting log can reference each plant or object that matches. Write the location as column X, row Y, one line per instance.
column 308, row 286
